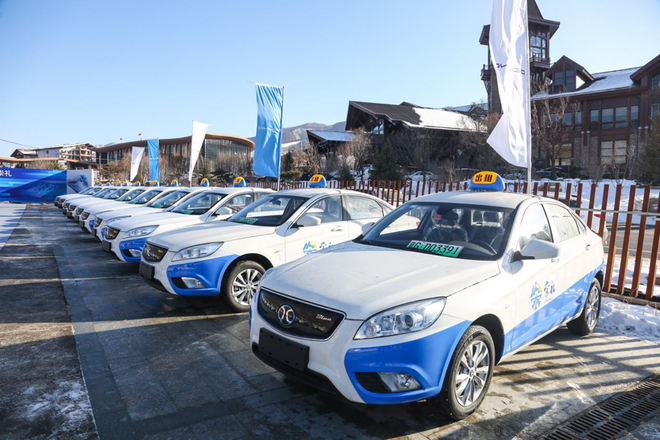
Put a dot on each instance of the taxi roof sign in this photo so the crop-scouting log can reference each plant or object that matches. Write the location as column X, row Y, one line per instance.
column 174, row 183
column 155, row 183
column 318, row 181
column 204, row 182
column 239, row 182
column 486, row 181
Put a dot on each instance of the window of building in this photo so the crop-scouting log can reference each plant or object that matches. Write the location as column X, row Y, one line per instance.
column 613, row 152
column 570, row 80
column 578, row 121
column 568, row 118
column 564, row 156
column 558, row 82
column 538, row 42
column 593, row 120
column 607, row 118
column 634, row 116
column 621, row 117
column 655, row 82
column 655, row 110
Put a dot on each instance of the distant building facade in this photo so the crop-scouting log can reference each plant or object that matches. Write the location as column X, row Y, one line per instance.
column 73, row 156
column 610, row 113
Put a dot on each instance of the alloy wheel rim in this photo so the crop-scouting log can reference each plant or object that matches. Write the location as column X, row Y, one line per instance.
column 245, row 286
column 473, row 369
column 592, row 307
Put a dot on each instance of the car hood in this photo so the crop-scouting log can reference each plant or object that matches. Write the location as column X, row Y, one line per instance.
column 94, row 204
column 159, row 218
column 130, row 210
column 115, row 207
column 362, row 280
column 207, row 233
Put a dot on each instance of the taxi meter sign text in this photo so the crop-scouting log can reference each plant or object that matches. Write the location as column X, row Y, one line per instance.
column 486, row 181
column 484, row 177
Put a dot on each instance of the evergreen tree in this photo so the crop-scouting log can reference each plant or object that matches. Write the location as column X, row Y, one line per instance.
column 287, row 162
column 385, row 167
column 649, row 163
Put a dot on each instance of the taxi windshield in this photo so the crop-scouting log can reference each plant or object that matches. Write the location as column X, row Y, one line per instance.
column 199, row 203
column 168, row 199
column 132, row 194
column 470, row 232
column 146, row 196
column 87, row 191
column 104, row 192
column 269, row 211
column 116, row 193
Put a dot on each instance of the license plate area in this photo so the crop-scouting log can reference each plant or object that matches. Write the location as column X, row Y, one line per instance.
column 146, row 271
column 106, row 245
column 283, row 350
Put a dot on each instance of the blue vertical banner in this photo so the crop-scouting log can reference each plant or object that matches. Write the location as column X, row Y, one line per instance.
column 154, row 171
column 268, row 142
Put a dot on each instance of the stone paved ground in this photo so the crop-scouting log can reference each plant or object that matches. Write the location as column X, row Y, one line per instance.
column 158, row 368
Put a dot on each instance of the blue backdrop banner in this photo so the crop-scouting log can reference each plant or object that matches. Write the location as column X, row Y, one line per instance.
column 31, row 186
column 267, row 145
column 154, row 170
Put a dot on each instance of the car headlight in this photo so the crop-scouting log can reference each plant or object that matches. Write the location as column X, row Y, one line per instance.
column 139, row 232
column 407, row 318
column 114, row 219
column 201, row 251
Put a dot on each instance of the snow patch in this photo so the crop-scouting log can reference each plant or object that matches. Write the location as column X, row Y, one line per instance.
column 642, row 322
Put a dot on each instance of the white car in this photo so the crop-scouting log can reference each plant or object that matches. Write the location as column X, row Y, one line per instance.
column 76, row 207
column 419, row 177
column 126, row 237
column 401, row 315
column 228, row 258
column 164, row 202
column 65, row 201
column 88, row 216
column 87, row 192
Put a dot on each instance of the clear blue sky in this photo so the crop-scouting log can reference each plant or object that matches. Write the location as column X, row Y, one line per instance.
column 96, row 71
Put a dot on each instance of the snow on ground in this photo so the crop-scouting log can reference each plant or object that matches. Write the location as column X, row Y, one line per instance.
column 642, row 322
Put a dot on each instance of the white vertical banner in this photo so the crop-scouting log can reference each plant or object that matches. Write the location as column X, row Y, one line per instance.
column 198, row 136
column 508, row 43
column 136, row 158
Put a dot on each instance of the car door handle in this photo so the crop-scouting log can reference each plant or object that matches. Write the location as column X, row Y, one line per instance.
column 554, row 260
column 587, row 247
column 337, row 229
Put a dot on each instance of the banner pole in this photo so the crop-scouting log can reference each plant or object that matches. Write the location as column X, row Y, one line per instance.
column 529, row 107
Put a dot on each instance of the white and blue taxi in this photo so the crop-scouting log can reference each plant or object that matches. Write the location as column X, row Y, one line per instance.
column 167, row 200
column 121, row 194
column 89, row 216
column 229, row 258
column 87, row 192
column 126, row 237
column 424, row 309
column 66, row 201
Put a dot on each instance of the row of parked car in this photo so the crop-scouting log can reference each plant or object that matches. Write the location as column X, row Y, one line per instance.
column 352, row 296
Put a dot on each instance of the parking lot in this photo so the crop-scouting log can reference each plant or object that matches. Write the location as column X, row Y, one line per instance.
column 158, row 367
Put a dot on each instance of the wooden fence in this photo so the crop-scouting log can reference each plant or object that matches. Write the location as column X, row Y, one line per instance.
column 399, row 192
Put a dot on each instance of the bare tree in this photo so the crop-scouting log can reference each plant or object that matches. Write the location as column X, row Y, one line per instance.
column 357, row 152
column 418, row 149
column 595, row 169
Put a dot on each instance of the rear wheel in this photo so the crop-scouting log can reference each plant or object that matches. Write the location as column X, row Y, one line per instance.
column 586, row 322
column 240, row 285
column 469, row 374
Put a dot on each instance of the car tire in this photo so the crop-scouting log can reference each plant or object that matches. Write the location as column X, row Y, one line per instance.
column 245, row 274
column 456, row 399
column 588, row 319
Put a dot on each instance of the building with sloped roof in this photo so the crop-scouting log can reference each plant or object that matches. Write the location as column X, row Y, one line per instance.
column 608, row 116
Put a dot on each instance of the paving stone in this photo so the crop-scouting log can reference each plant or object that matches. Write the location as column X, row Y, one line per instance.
column 222, row 428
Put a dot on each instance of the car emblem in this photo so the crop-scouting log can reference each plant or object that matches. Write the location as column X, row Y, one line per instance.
column 286, row 315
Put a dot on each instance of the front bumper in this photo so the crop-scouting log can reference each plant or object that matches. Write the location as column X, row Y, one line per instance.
column 425, row 355
column 209, row 271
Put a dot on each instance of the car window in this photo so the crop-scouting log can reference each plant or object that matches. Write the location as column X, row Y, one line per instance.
column 199, row 203
column 534, row 225
column 145, row 197
column 359, row 208
column 273, row 210
column 563, row 222
column 328, row 209
column 168, row 199
column 238, row 202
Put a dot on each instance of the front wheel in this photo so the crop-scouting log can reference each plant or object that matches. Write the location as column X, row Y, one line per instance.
column 469, row 374
column 586, row 322
column 240, row 285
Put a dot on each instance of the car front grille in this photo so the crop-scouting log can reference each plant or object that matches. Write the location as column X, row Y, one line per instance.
column 152, row 252
column 310, row 321
column 97, row 222
column 111, row 233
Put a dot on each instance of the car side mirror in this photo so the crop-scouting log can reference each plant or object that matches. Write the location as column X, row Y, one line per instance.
column 537, row 250
column 308, row 220
column 366, row 228
column 224, row 211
